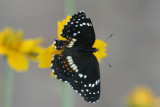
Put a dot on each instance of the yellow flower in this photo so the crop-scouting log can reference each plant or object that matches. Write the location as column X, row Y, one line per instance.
column 45, row 62
column 45, row 57
column 101, row 46
column 60, row 27
column 142, row 97
column 17, row 50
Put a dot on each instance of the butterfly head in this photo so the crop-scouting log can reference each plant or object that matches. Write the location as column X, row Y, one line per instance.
column 95, row 49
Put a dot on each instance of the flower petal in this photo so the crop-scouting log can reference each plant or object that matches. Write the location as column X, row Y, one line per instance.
column 101, row 46
column 35, row 52
column 45, row 57
column 3, row 51
column 52, row 74
column 142, row 96
column 60, row 27
column 28, row 45
column 17, row 61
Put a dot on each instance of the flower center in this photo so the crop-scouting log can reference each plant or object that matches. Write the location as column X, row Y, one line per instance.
column 12, row 42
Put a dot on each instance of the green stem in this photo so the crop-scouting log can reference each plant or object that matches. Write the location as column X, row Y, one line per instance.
column 9, row 87
column 67, row 95
column 69, row 7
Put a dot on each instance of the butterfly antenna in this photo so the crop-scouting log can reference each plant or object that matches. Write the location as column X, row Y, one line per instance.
column 106, row 40
column 106, row 62
column 102, row 55
column 109, row 37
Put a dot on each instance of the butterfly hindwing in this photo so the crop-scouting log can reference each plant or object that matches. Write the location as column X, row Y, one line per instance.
column 84, row 76
column 87, row 80
column 61, row 68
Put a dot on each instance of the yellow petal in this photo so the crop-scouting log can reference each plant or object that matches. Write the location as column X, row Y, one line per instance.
column 35, row 52
column 97, row 56
column 52, row 74
column 45, row 57
column 68, row 18
column 141, row 97
column 101, row 46
column 3, row 51
column 2, row 37
column 17, row 61
column 28, row 45
column 54, row 51
column 60, row 27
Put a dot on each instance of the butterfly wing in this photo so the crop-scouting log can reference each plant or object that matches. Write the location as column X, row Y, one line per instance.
column 79, row 28
column 60, row 44
column 87, row 81
column 81, row 70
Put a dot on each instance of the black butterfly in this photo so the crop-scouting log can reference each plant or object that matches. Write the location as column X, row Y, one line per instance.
column 77, row 64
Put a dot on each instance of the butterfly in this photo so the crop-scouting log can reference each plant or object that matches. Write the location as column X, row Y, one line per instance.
column 76, row 64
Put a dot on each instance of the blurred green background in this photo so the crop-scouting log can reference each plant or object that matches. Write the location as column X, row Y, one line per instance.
column 133, row 51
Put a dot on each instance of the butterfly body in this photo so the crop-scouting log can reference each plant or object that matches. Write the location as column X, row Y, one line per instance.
column 76, row 64
column 81, row 50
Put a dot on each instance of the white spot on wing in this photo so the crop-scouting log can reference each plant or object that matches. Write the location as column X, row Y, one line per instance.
column 51, row 64
column 84, row 23
column 69, row 57
column 72, row 65
column 75, row 68
column 54, row 42
column 52, row 70
column 80, row 75
column 74, row 34
column 72, row 42
column 73, row 39
column 93, row 85
column 87, row 90
column 85, row 76
column 75, row 81
column 70, row 60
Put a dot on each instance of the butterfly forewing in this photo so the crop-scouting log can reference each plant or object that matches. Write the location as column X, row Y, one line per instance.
column 59, row 44
column 80, row 27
